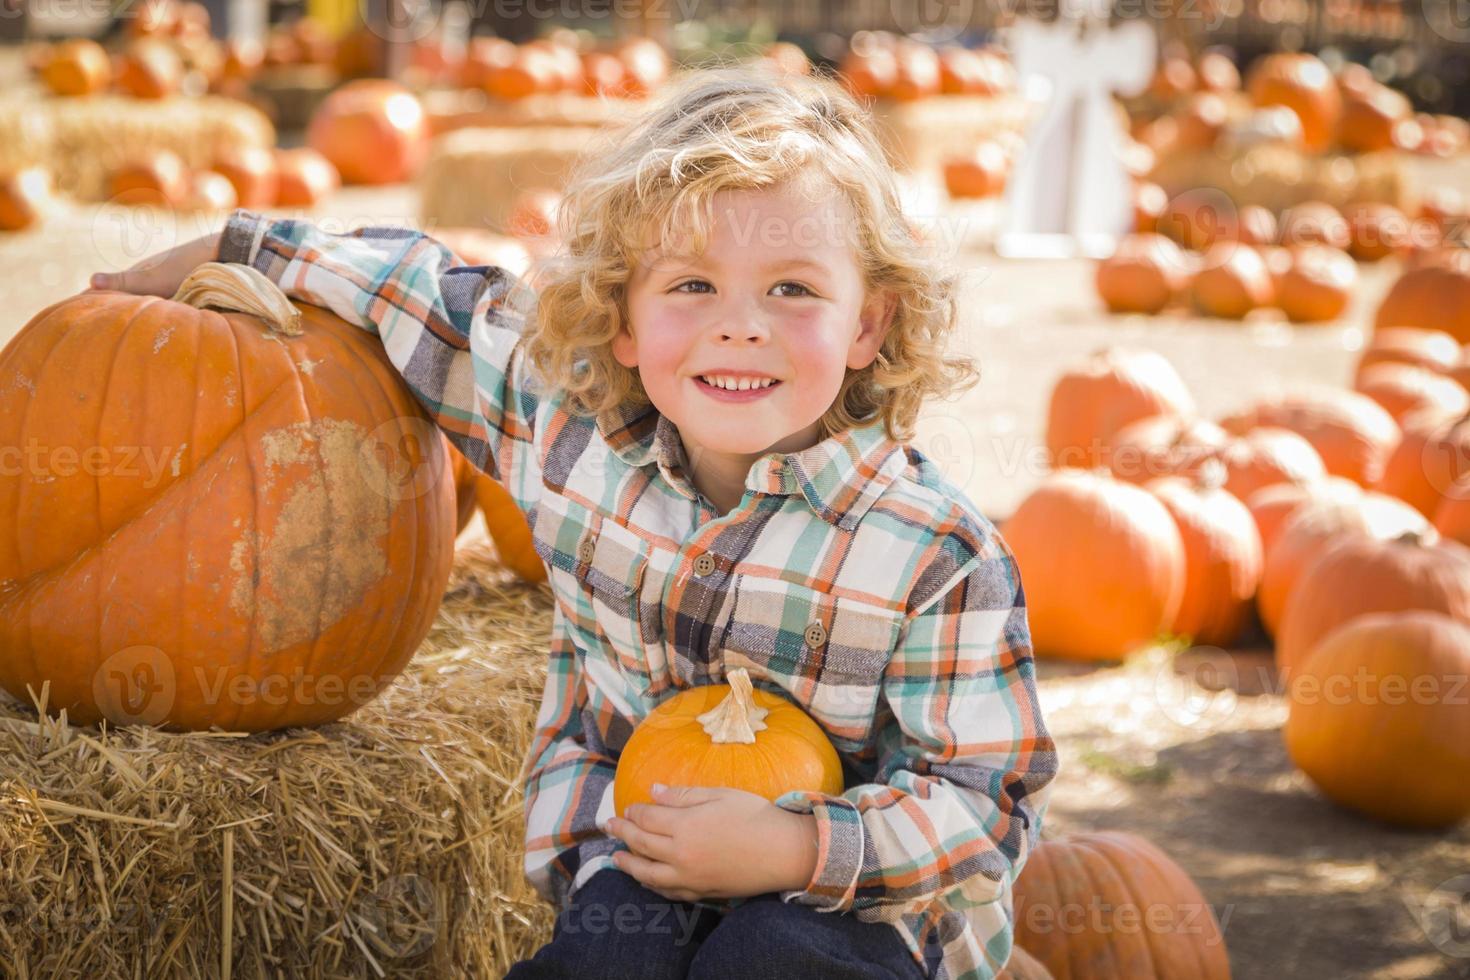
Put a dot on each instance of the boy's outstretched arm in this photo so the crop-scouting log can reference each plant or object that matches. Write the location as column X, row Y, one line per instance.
column 450, row 331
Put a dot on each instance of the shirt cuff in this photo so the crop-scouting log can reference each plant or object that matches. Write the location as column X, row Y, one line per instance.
column 840, row 842
column 241, row 237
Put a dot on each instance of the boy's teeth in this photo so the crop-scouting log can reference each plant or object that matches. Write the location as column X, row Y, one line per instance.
column 733, row 384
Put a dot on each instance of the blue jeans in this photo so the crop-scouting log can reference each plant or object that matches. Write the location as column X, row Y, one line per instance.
column 616, row 929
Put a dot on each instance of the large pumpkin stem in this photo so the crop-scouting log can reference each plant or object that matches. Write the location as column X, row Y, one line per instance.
column 738, row 717
column 240, row 289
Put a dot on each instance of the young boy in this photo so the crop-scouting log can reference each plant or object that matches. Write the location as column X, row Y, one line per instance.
column 738, row 334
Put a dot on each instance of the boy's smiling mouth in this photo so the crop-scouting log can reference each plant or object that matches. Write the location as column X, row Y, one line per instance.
column 727, row 388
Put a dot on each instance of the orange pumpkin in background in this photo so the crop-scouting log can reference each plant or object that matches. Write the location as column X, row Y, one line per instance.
column 1112, row 906
column 77, row 67
column 1304, row 84
column 24, row 197
column 1143, row 276
column 1162, row 445
column 1314, row 223
column 484, row 56
column 210, row 191
column 1318, row 286
column 1121, row 541
column 1265, row 456
column 1233, row 280
column 1272, row 506
column 1452, row 517
column 372, row 130
column 726, row 735
column 1091, row 402
column 1404, row 390
column 1431, row 458
column 1363, row 574
column 507, row 526
column 157, row 179
column 1149, row 202
column 295, row 558
column 304, row 178
column 869, row 73
column 533, row 71
column 252, row 172
column 1431, row 349
column 150, row 69
column 603, row 74
column 1222, row 555
column 1376, row 231
column 1374, row 721
column 1374, row 120
column 1352, row 433
column 1435, row 296
column 978, row 174
column 646, row 64
column 1217, row 73
column 1327, row 520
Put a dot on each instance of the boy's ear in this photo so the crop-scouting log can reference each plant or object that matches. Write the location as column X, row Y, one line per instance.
column 874, row 322
column 624, row 348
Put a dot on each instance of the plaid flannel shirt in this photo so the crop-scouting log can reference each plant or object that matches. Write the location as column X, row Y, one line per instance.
column 851, row 577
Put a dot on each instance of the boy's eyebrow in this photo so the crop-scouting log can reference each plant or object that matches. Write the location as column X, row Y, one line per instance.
column 792, row 262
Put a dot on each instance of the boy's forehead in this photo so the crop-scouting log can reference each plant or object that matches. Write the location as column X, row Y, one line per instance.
column 769, row 224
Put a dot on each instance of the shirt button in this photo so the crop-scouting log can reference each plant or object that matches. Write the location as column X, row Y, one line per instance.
column 816, row 635
column 585, row 550
column 704, row 564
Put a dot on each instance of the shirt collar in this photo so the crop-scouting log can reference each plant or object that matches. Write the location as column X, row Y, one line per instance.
column 840, row 477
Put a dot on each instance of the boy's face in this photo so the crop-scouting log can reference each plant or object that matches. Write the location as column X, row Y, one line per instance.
column 777, row 292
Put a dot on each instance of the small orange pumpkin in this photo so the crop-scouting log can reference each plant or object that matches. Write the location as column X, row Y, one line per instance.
column 79, row 66
column 1304, row 84
column 252, row 171
column 1265, row 456
column 157, row 179
column 1376, row 231
column 1315, row 223
column 150, row 69
column 508, row 529
column 1419, row 346
column 1162, row 445
column 304, row 178
column 1143, row 276
column 978, row 174
column 24, row 196
column 1374, row 721
column 1404, row 390
column 1432, row 456
column 1434, row 296
column 372, row 130
column 1352, row 433
column 1233, row 280
column 726, row 735
column 1272, row 506
column 210, row 191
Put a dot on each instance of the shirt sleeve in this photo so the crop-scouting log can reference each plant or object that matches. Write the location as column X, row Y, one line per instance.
column 567, row 779
column 451, row 331
column 964, row 766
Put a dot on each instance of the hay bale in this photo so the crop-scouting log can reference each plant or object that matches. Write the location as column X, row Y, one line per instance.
column 919, row 135
column 82, row 140
column 1277, row 177
column 386, row 844
column 473, row 176
column 452, row 109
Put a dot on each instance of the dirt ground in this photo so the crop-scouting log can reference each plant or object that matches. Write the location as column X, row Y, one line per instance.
column 1304, row 890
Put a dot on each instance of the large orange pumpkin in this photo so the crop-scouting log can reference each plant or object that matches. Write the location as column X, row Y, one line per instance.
column 1304, row 84
column 373, row 131
column 1222, row 555
column 1362, row 574
column 1432, row 456
column 1112, row 388
column 1405, row 390
column 1103, row 565
column 1274, row 505
column 1435, row 296
column 238, row 521
column 1352, row 433
column 1316, row 526
column 1419, row 346
column 1023, row 966
column 1377, row 718
column 726, row 735
column 304, row 178
column 1318, row 285
column 1112, row 906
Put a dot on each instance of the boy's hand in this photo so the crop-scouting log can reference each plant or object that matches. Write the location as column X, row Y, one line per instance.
column 696, row 842
column 161, row 274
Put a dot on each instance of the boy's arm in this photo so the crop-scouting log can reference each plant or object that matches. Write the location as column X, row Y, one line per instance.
column 565, row 780
column 449, row 330
column 963, row 768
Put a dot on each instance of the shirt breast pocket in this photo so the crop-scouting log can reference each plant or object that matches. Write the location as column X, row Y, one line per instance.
column 827, row 653
column 600, row 584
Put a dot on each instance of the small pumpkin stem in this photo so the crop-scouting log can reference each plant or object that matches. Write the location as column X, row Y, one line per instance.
column 239, row 288
column 737, row 718
column 1410, row 537
column 1212, row 474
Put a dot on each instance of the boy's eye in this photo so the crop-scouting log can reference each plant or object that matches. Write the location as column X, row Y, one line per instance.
column 793, row 285
column 692, row 282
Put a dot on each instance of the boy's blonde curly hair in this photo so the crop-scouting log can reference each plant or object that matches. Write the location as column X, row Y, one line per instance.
column 739, row 129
